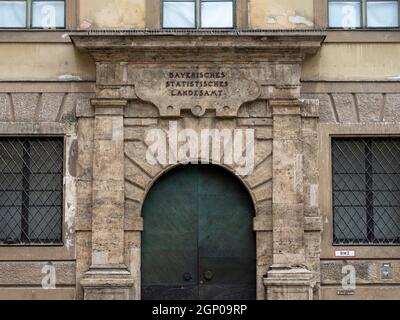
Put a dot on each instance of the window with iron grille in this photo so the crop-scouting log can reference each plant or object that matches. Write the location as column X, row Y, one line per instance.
column 364, row 13
column 31, row 183
column 198, row 14
column 40, row 14
column 366, row 191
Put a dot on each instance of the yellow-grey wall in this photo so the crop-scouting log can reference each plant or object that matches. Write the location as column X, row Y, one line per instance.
column 44, row 62
column 265, row 14
column 354, row 62
column 281, row 14
column 121, row 14
column 334, row 62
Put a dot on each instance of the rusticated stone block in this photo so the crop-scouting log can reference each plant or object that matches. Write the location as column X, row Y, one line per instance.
column 369, row 107
column 326, row 107
column 49, row 106
column 5, row 108
column 30, row 273
column 25, row 105
column 392, row 108
column 345, row 107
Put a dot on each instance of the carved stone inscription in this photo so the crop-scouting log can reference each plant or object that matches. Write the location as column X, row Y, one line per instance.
column 223, row 90
column 197, row 84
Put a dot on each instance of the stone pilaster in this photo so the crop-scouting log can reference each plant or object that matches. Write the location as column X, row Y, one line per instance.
column 288, row 277
column 108, row 277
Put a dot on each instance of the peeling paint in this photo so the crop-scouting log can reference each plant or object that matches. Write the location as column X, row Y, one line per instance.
column 394, row 78
column 85, row 24
column 70, row 187
column 70, row 218
column 271, row 20
column 69, row 77
column 69, row 243
column 300, row 20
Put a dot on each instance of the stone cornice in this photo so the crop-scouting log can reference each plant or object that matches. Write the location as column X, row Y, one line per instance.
column 178, row 45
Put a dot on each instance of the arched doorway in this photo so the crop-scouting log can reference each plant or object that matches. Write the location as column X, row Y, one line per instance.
column 198, row 240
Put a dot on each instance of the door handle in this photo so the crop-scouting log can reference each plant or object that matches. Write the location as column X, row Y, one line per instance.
column 208, row 275
column 187, row 276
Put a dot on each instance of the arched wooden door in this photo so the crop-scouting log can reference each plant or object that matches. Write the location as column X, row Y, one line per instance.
column 198, row 241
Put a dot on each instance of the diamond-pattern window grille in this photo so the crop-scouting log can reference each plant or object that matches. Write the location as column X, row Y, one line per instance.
column 31, row 184
column 366, row 191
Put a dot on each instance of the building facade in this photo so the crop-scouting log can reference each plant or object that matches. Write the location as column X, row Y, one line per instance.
column 288, row 111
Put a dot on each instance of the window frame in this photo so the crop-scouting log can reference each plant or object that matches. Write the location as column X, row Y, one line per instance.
column 327, row 131
column 363, row 16
column 371, row 238
column 198, row 15
column 63, row 230
column 70, row 16
column 154, row 16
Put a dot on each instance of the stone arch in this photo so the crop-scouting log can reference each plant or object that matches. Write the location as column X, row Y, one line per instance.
column 141, row 176
column 230, row 169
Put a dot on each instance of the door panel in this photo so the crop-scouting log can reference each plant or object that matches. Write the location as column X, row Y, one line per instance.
column 226, row 243
column 198, row 225
column 169, row 249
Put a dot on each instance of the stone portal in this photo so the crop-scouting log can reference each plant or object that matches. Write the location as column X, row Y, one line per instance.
column 200, row 80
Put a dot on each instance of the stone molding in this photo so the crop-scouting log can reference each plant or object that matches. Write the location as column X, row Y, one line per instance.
column 125, row 45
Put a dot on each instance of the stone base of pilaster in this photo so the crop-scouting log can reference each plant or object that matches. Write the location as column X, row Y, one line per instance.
column 283, row 283
column 107, row 283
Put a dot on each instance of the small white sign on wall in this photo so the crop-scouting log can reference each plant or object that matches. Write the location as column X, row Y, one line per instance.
column 345, row 253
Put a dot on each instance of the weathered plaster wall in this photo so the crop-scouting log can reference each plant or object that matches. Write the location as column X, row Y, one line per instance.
column 263, row 14
column 120, row 14
column 354, row 62
column 44, row 62
column 281, row 14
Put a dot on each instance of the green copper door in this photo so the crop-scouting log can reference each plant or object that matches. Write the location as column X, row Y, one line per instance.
column 198, row 241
